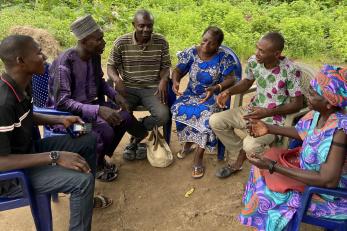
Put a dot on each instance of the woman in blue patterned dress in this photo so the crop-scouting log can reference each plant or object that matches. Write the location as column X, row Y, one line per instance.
column 322, row 159
column 211, row 70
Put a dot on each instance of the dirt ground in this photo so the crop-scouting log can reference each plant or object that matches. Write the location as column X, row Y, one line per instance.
column 148, row 198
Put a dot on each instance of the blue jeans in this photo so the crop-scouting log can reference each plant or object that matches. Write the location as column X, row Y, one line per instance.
column 54, row 179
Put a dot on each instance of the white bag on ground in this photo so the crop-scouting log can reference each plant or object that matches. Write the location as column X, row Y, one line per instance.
column 158, row 151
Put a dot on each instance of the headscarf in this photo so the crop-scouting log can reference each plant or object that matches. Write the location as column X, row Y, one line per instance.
column 84, row 26
column 331, row 83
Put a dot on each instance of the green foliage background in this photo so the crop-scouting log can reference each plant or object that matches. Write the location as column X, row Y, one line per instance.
column 314, row 30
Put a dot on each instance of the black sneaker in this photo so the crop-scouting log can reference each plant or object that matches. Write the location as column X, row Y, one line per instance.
column 130, row 152
column 141, row 151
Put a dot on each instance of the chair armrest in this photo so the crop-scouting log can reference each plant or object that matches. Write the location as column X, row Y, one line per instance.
column 310, row 190
column 291, row 117
column 16, row 174
column 337, row 192
column 239, row 97
column 48, row 111
column 7, row 175
column 289, row 122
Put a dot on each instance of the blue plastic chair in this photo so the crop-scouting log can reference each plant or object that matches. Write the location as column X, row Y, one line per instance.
column 40, row 96
column 40, row 204
column 238, row 74
column 302, row 216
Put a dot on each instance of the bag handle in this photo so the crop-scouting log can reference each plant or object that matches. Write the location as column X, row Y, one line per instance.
column 157, row 138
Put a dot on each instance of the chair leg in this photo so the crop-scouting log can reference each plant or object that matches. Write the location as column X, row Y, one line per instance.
column 167, row 131
column 220, row 150
column 294, row 224
column 41, row 212
column 55, row 198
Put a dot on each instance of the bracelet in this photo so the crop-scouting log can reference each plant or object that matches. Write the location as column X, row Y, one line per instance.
column 272, row 166
column 220, row 87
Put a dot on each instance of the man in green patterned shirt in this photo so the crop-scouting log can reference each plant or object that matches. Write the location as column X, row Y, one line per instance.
column 278, row 94
column 139, row 65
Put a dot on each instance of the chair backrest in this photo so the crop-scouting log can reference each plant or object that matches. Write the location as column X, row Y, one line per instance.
column 307, row 73
column 238, row 71
column 40, row 88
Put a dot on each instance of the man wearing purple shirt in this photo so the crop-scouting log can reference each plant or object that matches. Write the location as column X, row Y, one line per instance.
column 76, row 85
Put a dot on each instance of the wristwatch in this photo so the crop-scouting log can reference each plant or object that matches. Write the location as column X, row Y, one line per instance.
column 54, row 155
column 272, row 166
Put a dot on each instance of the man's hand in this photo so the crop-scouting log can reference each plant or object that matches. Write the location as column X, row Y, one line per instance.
column 222, row 99
column 73, row 161
column 67, row 121
column 121, row 101
column 176, row 87
column 110, row 115
column 162, row 91
column 257, row 128
column 119, row 86
column 257, row 113
column 209, row 92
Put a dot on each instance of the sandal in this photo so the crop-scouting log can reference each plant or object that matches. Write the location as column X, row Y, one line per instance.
column 198, row 171
column 183, row 153
column 106, row 175
column 101, row 202
column 141, row 151
column 110, row 166
column 227, row 171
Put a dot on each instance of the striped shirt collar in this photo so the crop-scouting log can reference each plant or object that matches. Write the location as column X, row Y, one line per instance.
column 17, row 91
column 134, row 42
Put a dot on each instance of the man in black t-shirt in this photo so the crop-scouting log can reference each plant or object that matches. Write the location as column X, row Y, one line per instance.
column 54, row 164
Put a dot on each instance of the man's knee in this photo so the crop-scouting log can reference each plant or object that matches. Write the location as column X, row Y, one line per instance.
column 250, row 145
column 217, row 122
column 84, row 182
column 162, row 116
column 88, row 142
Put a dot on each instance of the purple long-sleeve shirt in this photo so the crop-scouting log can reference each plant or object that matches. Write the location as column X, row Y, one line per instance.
column 77, row 86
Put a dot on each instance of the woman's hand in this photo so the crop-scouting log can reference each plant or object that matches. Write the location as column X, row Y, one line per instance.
column 259, row 161
column 222, row 99
column 175, row 87
column 257, row 128
column 209, row 92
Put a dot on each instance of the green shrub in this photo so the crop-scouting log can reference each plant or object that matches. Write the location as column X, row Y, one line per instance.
column 313, row 29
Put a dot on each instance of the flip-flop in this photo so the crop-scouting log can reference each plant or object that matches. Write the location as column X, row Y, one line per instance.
column 227, row 171
column 198, row 171
column 183, row 153
column 103, row 202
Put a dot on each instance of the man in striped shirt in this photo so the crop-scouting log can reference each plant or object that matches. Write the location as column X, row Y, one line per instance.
column 139, row 65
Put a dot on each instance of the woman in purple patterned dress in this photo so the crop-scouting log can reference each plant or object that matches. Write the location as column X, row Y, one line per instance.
column 322, row 158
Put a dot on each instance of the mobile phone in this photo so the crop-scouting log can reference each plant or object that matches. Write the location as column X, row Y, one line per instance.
column 79, row 129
